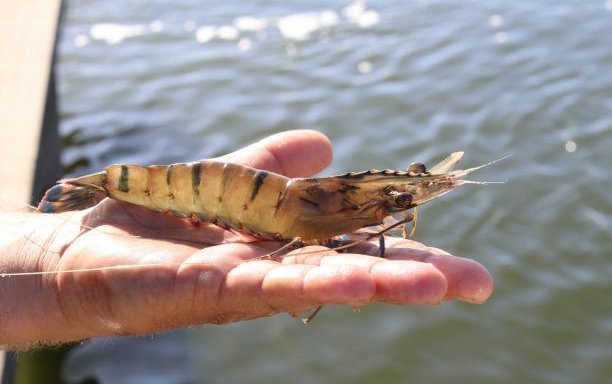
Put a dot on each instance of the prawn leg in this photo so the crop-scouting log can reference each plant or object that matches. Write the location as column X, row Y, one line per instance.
column 381, row 245
column 278, row 254
column 309, row 318
column 405, row 233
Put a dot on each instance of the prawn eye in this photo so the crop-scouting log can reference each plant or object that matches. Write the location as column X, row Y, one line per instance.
column 389, row 190
column 403, row 199
column 417, row 168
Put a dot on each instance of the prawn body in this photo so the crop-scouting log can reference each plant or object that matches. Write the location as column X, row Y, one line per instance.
column 263, row 204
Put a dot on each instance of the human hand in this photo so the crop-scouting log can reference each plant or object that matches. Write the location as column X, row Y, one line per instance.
column 184, row 274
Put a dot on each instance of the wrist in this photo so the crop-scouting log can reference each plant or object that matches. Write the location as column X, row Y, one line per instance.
column 31, row 312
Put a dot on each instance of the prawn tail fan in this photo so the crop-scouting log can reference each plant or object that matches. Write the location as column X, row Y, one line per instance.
column 74, row 194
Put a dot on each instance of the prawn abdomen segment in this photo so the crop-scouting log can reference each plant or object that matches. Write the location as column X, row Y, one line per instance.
column 139, row 185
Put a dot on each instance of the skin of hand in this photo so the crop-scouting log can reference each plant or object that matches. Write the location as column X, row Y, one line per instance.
column 196, row 274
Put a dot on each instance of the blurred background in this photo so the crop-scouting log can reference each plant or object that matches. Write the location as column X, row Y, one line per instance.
column 390, row 83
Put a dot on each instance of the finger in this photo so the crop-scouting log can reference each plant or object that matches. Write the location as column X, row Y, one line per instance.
column 296, row 288
column 467, row 279
column 355, row 279
column 235, row 290
column 297, row 153
column 222, row 287
column 259, row 288
column 398, row 281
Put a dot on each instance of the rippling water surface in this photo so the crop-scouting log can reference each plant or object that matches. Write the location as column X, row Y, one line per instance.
column 390, row 83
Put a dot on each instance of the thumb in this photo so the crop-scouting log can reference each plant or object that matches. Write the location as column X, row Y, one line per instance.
column 297, row 153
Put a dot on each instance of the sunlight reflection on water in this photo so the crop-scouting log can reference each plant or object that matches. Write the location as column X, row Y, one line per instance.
column 297, row 26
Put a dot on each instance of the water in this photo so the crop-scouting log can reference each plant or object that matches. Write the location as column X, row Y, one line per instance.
column 389, row 83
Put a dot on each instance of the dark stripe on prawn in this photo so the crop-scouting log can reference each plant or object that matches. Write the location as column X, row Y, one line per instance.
column 168, row 173
column 196, row 177
column 123, row 179
column 259, row 180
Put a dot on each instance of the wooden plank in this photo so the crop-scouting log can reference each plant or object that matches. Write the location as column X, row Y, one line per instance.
column 28, row 30
column 27, row 40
